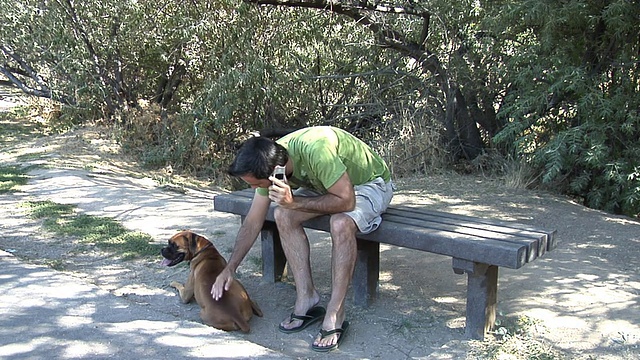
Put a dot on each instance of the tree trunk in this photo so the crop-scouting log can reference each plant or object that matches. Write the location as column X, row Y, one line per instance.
column 169, row 84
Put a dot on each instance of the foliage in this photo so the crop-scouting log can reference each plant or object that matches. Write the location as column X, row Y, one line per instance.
column 325, row 82
column 99, row 57
column 551, row 85
column 103, row 232
column 573, row 108
column 11, row 177
column 515, row 339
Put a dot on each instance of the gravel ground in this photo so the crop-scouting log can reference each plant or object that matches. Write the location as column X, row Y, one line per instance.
column 581, row 300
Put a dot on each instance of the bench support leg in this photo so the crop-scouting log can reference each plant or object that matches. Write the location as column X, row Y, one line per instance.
column 366, row 274
column 482, row 294
column 273, row 259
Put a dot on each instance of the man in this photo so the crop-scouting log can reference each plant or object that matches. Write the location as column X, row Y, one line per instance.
column 335, row 173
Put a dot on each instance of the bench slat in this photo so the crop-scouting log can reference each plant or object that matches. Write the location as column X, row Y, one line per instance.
column 493, row 228
column 462, row 243
column 458, row 245
column 468, row 247
column 532, row 244
column 549, row 243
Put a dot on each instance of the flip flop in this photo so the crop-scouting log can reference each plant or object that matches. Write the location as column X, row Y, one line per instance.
column 314, row 314
column 324, row 333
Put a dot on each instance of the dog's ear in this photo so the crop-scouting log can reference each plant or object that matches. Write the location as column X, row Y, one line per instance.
column 193, row 243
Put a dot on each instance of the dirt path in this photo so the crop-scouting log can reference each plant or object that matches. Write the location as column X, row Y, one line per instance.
column 583, row 297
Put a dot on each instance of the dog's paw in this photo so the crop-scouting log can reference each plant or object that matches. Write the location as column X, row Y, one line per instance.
column 175, row 284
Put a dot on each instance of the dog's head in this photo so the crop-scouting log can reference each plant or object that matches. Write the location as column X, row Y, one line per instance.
column 183, row 246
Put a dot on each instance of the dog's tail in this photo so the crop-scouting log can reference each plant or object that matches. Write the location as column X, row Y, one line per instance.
column 242, row 323
column 256, row 309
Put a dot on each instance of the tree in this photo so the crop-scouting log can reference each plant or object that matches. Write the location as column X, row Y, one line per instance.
column 114, row 57
column 462, row 133
column 552, row 83
column 100, row 56
column 573, row 102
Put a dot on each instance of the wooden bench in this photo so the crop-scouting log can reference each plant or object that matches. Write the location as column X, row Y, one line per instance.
column 477, row 246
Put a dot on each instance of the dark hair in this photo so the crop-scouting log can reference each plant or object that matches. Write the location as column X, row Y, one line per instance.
column 258, row 156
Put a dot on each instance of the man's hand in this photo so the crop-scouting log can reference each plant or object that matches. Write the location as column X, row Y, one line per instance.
column 280, row 192
column 222, row 284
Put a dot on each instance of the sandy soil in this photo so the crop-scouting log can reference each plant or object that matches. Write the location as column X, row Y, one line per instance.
column 583, row 298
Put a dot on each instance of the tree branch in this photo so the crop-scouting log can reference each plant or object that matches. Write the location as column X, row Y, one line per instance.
column 77, row 27
column 425, row 29
column 387, row 36
column 6, row 83
column 377, row 6
column 25, row 70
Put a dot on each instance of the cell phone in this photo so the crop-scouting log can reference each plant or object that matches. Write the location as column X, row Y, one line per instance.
column 279, row 173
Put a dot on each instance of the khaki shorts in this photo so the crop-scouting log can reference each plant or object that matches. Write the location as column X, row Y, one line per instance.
column 372, row 199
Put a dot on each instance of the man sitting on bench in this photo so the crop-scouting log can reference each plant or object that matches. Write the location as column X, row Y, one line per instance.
column 334, row 173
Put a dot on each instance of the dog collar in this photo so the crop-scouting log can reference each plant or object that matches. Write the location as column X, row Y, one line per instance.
column 201, row 250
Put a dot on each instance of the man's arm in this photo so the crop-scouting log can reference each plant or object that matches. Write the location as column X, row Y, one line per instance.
column 340, row 197
column 245, row 239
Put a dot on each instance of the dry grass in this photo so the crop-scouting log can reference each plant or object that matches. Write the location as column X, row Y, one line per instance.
column 174, row 143
column 515, row 339
column 413, row 145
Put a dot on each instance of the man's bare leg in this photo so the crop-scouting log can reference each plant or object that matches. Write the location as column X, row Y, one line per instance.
column 343, row 260
column 296, row 248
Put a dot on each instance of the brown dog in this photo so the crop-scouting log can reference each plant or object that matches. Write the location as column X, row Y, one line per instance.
column 234, row 310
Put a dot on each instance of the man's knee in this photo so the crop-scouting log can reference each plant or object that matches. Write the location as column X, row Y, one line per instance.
column 282, row 216
column 342, row 224
column 286, row 218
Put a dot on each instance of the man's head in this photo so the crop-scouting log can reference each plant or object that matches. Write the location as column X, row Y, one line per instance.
column 257, row 157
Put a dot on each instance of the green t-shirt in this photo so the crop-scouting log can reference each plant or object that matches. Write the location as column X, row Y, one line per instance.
column 322, row 154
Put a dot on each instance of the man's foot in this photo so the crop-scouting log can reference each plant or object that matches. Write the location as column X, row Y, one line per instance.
column 300, row 322
column 328, row 340
column 300, row 311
